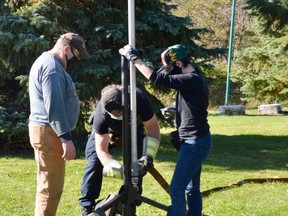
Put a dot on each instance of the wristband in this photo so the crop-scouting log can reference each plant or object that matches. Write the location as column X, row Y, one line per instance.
column 150, row 146
column 66, row 137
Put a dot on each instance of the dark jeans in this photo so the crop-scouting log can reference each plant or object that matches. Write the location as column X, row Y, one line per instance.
column 92, row 178
column 188, row 168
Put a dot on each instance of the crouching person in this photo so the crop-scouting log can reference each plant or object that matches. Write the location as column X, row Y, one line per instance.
column 107, row 133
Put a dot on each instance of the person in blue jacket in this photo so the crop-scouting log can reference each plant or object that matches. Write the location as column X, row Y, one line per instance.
column 191, row 122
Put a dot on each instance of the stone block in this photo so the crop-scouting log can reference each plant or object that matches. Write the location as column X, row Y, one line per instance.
column 232, row 110
column 269, row 109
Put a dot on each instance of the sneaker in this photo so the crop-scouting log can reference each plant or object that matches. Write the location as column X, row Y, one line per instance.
column 86, row 210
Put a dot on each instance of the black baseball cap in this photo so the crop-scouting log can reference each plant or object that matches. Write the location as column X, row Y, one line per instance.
column 112, row 99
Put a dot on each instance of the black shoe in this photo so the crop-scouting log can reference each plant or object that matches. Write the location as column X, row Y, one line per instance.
column 86, row 210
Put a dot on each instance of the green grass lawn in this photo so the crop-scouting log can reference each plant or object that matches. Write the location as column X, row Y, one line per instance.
column 249, row 146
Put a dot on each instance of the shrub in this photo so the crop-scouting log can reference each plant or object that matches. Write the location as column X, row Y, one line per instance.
column 13, row 128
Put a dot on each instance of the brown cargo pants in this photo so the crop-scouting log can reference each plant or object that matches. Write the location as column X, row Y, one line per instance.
column 50, row 169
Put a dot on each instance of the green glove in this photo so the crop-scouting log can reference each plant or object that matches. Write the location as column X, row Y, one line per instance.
column 113, row 169
column 150, row 146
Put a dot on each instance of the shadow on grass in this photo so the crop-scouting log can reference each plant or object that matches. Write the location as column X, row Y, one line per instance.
column 24, row 153
column 232, row 152
column 239, row 152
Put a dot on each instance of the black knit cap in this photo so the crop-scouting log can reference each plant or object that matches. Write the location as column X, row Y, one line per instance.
column 112, row 100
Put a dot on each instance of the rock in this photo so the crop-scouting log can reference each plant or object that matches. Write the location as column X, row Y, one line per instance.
column 269, row 109
column 232, row 110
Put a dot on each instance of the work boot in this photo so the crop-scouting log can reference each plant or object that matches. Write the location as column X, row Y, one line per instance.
column 86, row 210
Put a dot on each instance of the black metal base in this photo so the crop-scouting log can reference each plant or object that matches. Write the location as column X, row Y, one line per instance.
column 129, row 200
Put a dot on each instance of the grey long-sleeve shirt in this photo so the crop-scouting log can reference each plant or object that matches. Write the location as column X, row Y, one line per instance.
column 53, row 98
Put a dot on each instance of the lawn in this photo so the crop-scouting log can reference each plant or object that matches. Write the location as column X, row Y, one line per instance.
column 249, row 146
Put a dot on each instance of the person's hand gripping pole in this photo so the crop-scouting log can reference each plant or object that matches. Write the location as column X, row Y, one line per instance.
column 130, row 53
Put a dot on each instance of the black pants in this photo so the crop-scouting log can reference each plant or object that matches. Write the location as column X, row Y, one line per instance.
column 92, row 178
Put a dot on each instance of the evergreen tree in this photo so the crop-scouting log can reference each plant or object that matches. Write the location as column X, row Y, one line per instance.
column 29, row 27
column 271, row 15
column 263, row 66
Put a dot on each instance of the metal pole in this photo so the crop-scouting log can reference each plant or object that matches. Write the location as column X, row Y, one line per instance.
column 133, row 107
column 230, row 52
column 125, row 123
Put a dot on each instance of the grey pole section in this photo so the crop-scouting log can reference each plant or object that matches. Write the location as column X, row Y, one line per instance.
column 133, row 105
column 230, row 52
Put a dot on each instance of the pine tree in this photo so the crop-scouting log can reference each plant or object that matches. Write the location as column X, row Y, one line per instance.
column 29, row 27
column 263, row 66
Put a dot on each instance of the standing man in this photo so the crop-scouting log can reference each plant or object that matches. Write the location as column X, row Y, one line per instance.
column 107, row 133
column 191, row 123
column 55, row 108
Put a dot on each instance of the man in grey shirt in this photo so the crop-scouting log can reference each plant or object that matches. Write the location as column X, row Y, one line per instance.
column 54, row 107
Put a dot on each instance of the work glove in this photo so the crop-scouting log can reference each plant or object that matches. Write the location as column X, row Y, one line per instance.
column 130, row 53
column 145, row 163
column 150, row 146
column 113, row 169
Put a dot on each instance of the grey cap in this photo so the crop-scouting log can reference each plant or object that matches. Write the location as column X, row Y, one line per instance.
column 77, row 45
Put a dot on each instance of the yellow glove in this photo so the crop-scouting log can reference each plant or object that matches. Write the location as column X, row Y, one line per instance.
column 150, row 146
column 113, row 169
